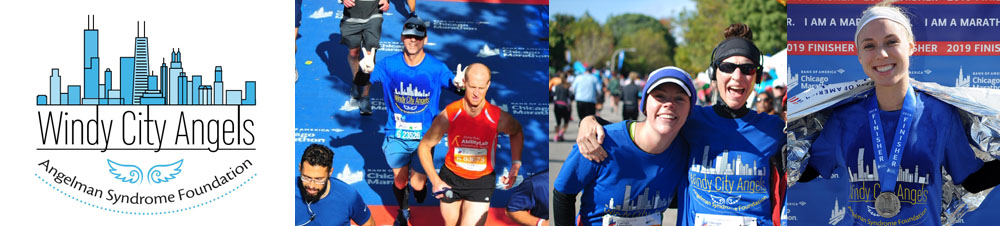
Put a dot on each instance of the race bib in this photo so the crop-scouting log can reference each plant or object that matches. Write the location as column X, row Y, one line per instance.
column 720, row 220
column 407, row 130
column 648, row 220
column 472, row 159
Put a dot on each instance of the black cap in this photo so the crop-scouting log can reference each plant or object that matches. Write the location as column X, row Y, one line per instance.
column 415, row 26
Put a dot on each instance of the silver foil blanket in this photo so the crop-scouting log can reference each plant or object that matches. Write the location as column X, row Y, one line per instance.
column 978, row 109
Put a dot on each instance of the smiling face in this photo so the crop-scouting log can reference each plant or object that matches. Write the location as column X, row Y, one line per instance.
column 667, row 108
column 413, row 44
column 735, row 87
column 884, row 51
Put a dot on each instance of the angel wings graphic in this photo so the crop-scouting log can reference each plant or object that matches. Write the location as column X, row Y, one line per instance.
column 725, row 201
column 155, row 175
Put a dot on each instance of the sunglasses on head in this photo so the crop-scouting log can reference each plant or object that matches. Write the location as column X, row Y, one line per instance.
column 748, row 68
column 419, row 27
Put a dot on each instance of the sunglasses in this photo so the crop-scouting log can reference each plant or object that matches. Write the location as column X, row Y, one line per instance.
column 748, row 69
column 419, row 27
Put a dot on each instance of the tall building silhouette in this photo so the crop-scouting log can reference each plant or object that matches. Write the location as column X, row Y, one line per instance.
column 126, row 72
column 141, row 65
column 175, row 71
column 91, row 63
column 138, row 84
column 55, row 86
column 219, row 89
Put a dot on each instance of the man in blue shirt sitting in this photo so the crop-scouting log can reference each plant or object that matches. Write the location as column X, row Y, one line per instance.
column 312, row 207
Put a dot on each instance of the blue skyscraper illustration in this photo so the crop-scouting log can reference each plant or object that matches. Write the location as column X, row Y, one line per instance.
column 141, row 65
column 55, row 86
column 126, row 72
column 138, row 84
column 176, row 68
column 219, row 89
column 251, row 88
column 91, row 63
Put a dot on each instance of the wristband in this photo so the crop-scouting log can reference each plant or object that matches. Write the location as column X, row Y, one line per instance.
column 539, row 223
column 516, row 162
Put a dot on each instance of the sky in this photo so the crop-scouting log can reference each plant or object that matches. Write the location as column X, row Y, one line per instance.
column 602, row 9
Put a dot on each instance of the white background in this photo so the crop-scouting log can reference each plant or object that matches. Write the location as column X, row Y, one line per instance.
column 253, row 41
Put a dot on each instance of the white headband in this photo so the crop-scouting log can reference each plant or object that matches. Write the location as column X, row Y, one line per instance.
column 882, row 12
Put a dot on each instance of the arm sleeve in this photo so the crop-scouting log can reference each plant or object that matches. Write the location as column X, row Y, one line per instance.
column 564, row 207
column 960, row 160
column 359, row 211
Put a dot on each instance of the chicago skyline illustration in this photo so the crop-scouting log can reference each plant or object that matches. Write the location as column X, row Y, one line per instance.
column 138, row 85
column 868, row 173
column 722, row 166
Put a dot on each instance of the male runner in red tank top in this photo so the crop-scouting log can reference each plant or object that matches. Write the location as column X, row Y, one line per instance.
column 466, row 182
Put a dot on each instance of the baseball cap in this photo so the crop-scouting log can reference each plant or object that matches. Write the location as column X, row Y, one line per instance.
column 667, row 75
column 415, row 26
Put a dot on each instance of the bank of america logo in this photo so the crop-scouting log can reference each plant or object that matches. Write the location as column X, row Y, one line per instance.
column 139, row 85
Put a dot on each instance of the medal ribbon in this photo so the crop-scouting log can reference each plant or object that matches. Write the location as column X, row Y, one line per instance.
column 888, row 167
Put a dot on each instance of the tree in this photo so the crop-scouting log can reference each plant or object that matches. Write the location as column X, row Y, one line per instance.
column 651, row 39
column 767, row 20
column 592, row 44
column 559, row 41
column 702, row 31
column 652, row 51
column 703, row 28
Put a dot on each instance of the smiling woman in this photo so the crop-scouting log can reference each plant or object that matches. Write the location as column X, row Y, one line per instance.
column 908, row 136
column 643, row 158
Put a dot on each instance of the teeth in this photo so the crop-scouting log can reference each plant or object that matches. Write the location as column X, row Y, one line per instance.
column 884, row 68
column 668, row 116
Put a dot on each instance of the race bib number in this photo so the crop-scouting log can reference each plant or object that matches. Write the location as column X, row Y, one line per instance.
column 721, row 220
column 472, row 159
column 407, row 130
column 648, row 220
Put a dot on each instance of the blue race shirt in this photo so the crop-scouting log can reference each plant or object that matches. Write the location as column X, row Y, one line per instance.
column 936, row 140
column 342, row 205
column 411, row 93
column 729, row 168
column 532, row 195
column 628, row 183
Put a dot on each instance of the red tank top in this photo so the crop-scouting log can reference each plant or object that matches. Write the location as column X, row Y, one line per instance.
column 471, row 140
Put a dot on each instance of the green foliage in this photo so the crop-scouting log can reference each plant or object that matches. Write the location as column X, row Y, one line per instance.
column 654, row 45
column 559, row 42
column 702, row 31
column 766, row 18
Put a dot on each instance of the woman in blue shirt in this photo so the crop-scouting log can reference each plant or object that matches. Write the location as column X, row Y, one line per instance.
column 896, row 141
column 733, row 150
column 644, row 167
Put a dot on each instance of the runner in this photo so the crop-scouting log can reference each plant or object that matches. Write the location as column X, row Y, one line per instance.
column 411, row 83
column 466, row 182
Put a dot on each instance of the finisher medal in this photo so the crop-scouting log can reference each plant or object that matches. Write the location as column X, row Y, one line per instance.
column 887, row 204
